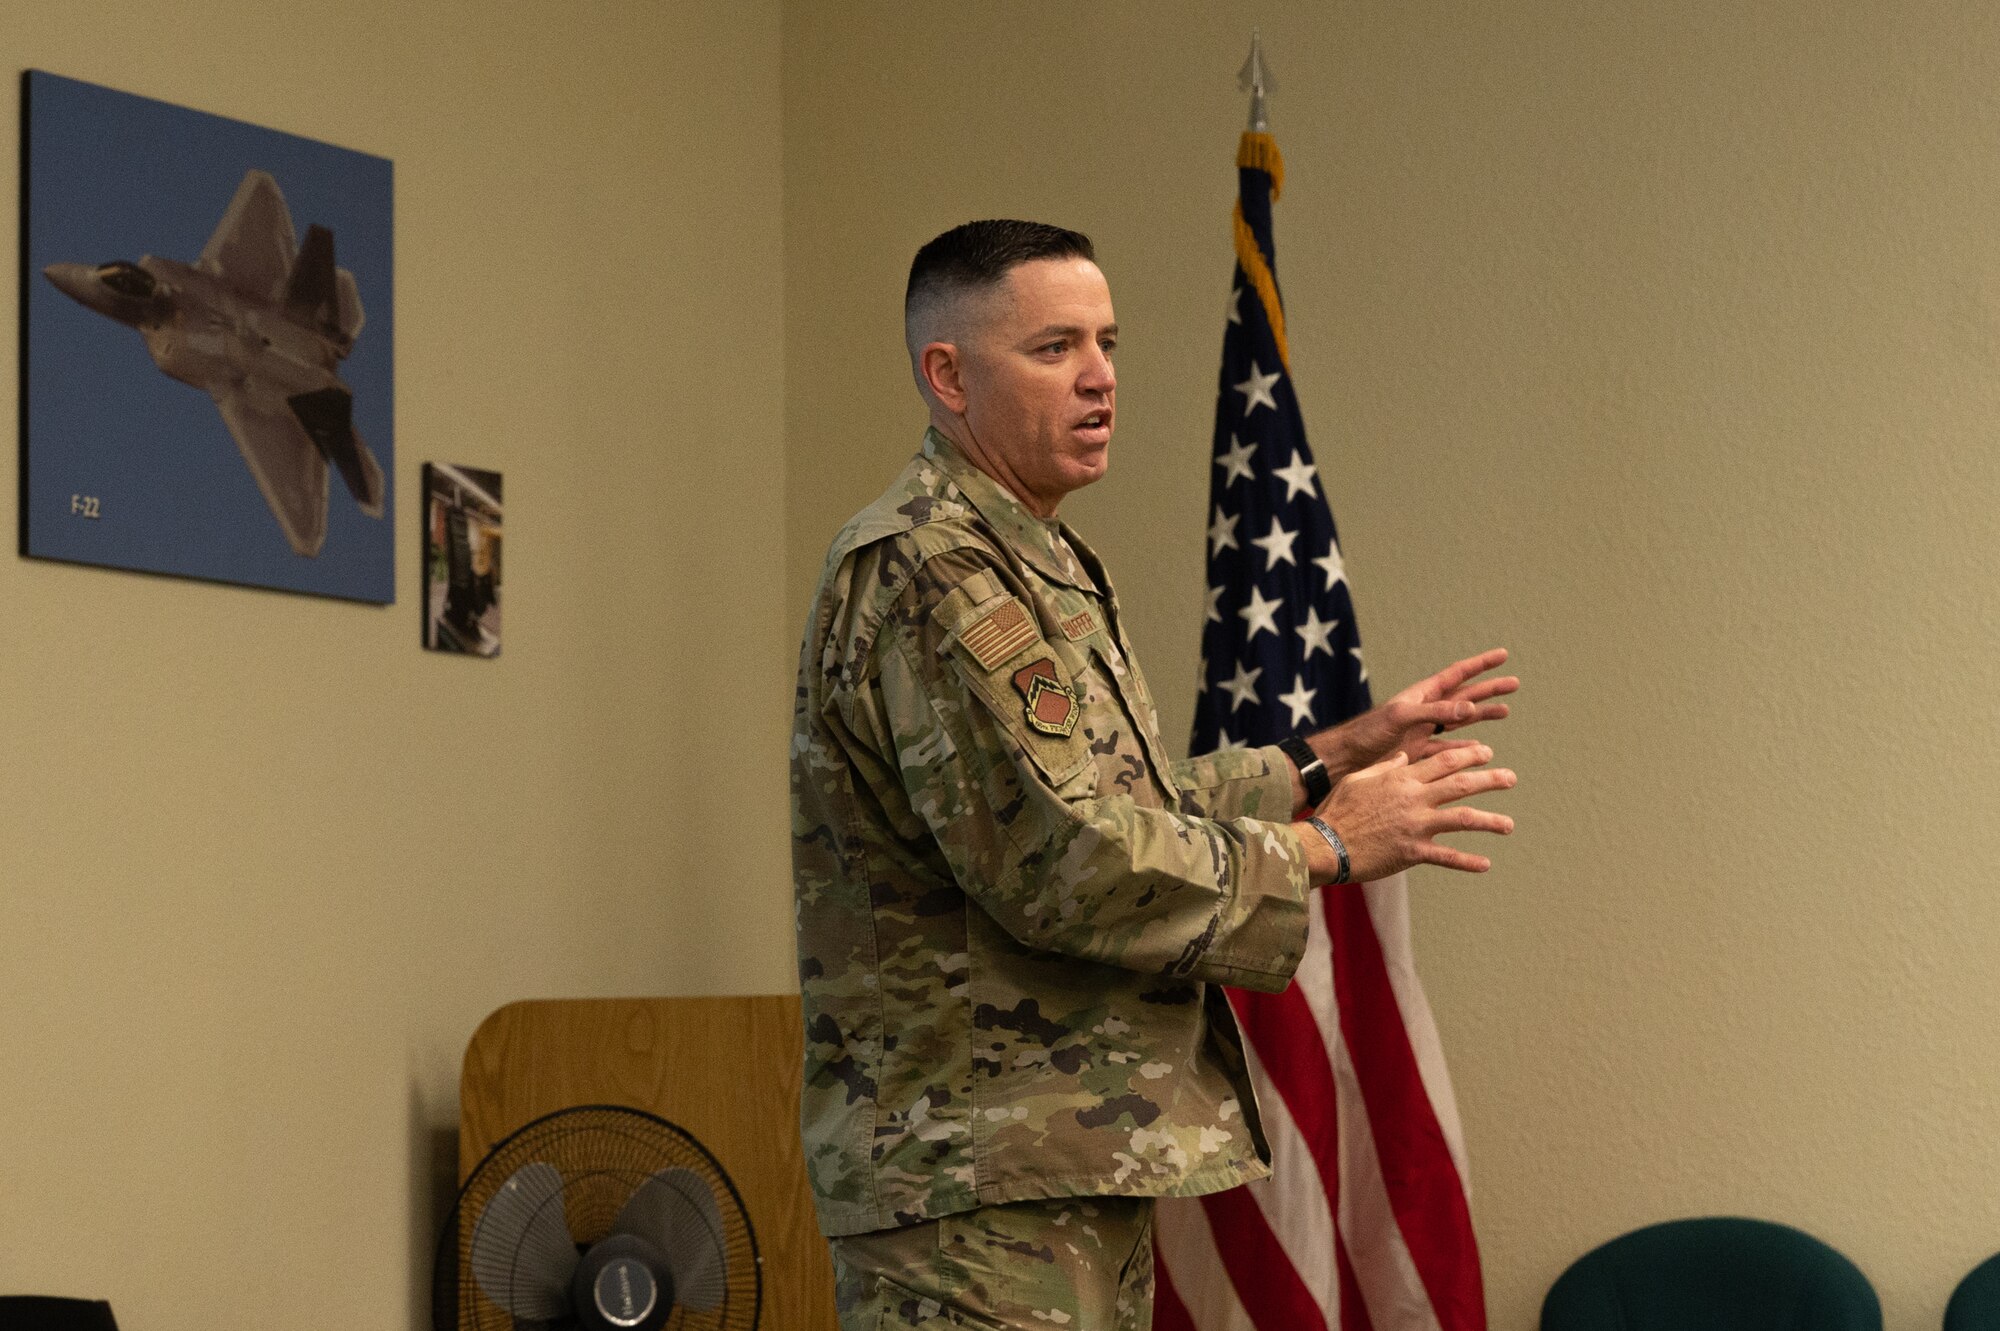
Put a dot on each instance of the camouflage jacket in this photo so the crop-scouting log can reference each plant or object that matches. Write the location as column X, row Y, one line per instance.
column 1013, row 909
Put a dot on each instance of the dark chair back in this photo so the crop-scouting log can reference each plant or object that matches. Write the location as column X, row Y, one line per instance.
column 35, row 1312
column 1975, row 1304
column 1716, row 1273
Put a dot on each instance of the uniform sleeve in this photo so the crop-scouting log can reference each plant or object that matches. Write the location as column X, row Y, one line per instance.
column 1062, row 866
column 1236, row 783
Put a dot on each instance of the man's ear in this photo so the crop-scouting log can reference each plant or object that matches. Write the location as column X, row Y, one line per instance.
column 943, row 373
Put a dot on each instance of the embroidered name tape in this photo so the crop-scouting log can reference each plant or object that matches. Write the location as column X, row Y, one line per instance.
column 999, row 633
column 1080, row 625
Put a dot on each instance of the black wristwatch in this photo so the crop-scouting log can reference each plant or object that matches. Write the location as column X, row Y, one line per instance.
column 1311, row 770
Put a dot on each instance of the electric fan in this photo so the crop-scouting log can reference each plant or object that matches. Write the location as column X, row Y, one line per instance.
column 598, row 1218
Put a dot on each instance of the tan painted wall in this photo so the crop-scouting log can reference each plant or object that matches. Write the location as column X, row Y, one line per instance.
column 1660, row 343
column 266, row 862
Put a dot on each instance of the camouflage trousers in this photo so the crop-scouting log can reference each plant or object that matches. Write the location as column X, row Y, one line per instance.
column 1080, row 1263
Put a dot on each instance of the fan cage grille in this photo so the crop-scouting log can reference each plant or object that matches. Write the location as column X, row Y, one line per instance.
column 604, row 1152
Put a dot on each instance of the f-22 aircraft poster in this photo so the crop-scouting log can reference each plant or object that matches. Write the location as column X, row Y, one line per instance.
column 209, row 347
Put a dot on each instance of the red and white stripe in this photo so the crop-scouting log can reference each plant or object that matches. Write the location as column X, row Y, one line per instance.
column 1363, row 1225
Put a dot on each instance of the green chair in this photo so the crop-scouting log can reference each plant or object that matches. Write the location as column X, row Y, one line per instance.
column 1975, row 1304
column 1717, row 1273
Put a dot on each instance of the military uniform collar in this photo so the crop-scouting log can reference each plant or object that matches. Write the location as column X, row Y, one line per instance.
column 1045, row 543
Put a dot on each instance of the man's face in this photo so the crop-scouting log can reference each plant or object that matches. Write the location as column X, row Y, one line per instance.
column 1037, row 376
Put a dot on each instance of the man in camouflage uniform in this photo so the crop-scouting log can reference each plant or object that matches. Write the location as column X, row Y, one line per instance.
column 1015, row 910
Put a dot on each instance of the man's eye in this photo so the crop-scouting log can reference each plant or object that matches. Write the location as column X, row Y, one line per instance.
column 1110, row 344
column 1057, row 347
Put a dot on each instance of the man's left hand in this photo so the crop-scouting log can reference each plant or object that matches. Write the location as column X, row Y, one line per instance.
column 1415, row 720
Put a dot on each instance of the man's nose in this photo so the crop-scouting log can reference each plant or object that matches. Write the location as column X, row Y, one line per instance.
column 1098, row 375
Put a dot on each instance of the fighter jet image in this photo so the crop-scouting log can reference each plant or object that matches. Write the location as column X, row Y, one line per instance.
column 260, row 323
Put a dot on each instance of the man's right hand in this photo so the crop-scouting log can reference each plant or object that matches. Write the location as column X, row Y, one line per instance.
column 1390, row 815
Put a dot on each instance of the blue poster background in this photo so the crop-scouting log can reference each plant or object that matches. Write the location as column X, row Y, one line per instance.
column 114, row 176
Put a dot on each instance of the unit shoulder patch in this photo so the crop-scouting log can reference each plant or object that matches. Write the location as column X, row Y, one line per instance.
column 1049, row 704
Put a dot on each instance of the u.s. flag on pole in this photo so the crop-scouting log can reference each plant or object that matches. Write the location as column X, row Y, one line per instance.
column 1364, row 1223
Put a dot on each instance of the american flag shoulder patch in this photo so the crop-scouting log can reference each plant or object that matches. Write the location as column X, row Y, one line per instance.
column 1000, row 633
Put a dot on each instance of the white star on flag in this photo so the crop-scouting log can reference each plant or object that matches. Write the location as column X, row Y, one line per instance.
column 1214, row 614
column 1300, row 700
column 1222, row 535
column 1235, row 294
column 1277, row 547
column 1257, row 388
column 1355, row 652
column 1299, row 476
column 1236, row 462
column 1316, row 633
column 1243, row 688
column 1329, row 563
column 1222, row 740
column 1260, row 613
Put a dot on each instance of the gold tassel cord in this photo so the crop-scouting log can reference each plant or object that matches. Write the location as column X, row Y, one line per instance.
column 1259, row 152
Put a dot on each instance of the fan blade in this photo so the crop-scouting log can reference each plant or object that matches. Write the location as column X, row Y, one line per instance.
column 522, row 1252
column 676, row 1213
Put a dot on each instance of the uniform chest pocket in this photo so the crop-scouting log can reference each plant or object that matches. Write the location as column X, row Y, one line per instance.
column 1135, row 704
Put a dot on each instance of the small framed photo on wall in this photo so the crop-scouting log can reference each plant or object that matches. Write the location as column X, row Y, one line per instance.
column 461, row 559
